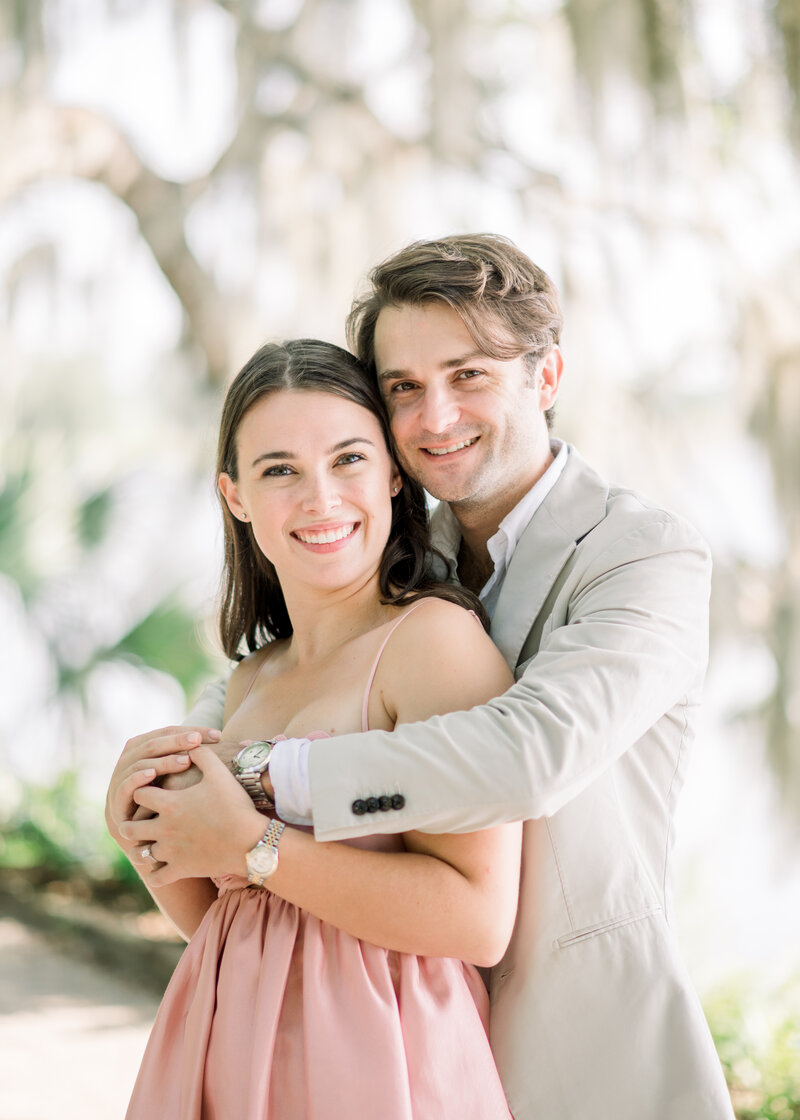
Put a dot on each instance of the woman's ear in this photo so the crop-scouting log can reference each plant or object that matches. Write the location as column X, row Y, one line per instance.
column 230, row 492
column 397, row 482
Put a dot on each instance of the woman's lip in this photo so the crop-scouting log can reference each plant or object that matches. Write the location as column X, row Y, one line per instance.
column 318, row 535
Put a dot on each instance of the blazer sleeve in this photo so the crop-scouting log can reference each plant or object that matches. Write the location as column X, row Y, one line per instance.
column 208, row 709
column 632, row 646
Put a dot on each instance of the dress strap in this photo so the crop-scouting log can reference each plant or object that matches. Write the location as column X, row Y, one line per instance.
column 373, row 671
column 254, row 677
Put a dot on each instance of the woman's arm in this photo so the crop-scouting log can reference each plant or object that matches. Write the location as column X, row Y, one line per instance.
column 163, row 756
column 446, row 895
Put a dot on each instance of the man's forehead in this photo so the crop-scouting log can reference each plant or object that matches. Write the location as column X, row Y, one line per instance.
column 436, row 332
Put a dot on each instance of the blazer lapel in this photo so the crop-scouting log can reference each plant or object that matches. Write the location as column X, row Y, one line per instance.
column 573, row 507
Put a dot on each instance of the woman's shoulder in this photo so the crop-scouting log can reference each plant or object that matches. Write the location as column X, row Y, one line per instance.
column 437, row 616
column 438, row 629
column 440, row 659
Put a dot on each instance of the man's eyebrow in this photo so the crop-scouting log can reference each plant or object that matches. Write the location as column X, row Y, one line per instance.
column 270, row 455
column 450, row 363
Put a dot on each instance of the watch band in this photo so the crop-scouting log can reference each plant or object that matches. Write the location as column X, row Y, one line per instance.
column 250, row 781
column 262, row 860
column 249, row 777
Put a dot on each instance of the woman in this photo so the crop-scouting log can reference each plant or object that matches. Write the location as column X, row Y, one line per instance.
column 283, row 1005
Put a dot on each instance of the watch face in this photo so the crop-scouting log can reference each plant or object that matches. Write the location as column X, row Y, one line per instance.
column 262, row 860
column 254, row 757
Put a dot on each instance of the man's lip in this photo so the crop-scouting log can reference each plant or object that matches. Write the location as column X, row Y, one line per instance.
column 444, row 450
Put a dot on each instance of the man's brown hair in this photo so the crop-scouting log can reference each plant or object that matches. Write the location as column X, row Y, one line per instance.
column 508, row 304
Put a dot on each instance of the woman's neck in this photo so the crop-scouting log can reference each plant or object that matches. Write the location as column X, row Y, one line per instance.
column 323, row 621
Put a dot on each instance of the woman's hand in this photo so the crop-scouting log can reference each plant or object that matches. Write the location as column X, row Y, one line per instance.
column 201, row 831
column 144, row 758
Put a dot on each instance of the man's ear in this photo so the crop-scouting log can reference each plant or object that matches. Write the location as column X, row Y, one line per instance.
column 548, row 378
column 230, row 492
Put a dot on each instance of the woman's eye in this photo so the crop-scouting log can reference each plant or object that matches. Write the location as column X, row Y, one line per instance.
column 350, row 457
column 278, row 471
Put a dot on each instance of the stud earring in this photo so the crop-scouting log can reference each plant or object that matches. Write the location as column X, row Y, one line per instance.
column 395, row 490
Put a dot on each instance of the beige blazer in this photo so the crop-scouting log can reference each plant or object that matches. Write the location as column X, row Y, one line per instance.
column 603, row 616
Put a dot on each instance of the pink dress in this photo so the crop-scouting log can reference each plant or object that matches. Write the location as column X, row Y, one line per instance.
column 272, row 1014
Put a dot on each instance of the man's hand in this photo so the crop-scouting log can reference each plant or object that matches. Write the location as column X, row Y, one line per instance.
column 201, row 831
column 144, row 758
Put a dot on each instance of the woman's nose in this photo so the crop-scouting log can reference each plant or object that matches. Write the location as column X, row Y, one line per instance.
column 321, row 494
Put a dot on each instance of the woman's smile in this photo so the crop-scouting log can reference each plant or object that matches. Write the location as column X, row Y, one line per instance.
column 326, row 538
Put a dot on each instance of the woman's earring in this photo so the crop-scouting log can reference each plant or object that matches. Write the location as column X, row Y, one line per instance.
column 395, row 490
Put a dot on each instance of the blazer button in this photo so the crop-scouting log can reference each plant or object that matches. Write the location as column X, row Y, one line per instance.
column 384, row 803
column 372, row 804
column 398, row 801
column 359, row 807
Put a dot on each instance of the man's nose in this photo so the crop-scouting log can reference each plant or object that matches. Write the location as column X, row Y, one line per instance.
column 439, row 410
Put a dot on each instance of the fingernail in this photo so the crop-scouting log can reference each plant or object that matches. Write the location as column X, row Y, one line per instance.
column 148, row 774
column 214, row 735
column 182, row 759
column 194, row 738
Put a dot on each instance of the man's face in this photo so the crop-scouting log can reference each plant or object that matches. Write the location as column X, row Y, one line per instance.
column 470, row 428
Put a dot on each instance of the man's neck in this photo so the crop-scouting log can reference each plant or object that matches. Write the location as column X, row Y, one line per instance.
column 479, row 521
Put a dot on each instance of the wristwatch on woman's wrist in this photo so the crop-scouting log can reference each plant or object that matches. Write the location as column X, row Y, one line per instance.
column 248, row 766
column 262, row 861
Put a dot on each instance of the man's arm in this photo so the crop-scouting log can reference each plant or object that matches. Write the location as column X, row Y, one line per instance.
column 634, row 646
column 208, row 709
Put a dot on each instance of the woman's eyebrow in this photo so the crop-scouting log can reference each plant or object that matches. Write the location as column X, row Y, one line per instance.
column 348, row 443
column 268, row 455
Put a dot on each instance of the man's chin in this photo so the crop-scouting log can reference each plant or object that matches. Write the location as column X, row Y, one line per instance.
column 443, row 491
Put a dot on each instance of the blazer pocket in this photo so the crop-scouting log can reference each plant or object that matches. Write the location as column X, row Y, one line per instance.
column 605, row 927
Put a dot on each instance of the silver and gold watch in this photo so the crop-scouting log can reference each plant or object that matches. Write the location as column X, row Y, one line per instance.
column 262, row 861
column 248, row 766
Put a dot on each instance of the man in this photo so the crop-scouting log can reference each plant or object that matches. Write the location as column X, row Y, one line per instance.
column 599, row 603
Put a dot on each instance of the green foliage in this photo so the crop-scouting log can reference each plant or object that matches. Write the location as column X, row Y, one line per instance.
column 13, row 536
column 55, row 835
column 167, row 640
column 757, row 1034
column 93, row 517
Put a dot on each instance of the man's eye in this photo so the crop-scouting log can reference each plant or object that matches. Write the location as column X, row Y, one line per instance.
column 402, row 387
column 469, row 374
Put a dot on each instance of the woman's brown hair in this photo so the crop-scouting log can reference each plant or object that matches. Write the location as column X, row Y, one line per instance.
column 253, row 610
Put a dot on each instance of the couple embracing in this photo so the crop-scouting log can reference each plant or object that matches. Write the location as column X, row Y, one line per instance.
column 332, row 980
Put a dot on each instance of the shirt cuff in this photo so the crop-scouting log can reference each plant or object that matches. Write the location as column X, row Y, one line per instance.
column 288, row 771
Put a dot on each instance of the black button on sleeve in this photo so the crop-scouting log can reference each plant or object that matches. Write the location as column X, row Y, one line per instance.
column 398, row 801
column 359, row 807
column 384, row 803
column 372, row 804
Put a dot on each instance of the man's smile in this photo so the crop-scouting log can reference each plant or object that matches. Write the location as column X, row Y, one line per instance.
column 452, row 448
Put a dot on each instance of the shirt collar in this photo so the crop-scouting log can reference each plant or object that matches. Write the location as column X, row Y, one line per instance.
column 446, row 531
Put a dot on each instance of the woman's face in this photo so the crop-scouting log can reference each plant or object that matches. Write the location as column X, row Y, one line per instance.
column 316, row 481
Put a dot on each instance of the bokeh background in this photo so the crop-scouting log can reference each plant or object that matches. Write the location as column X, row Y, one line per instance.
column 181, row 180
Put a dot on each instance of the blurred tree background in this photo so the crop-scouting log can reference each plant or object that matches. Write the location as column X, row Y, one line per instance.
column 182, row 179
